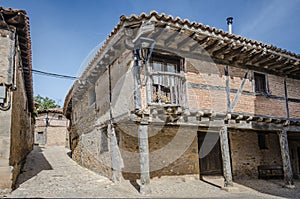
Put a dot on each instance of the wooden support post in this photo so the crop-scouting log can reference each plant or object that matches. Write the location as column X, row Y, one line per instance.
column 286, row 163
column 227, row 88
column 237, row 97
column 144, row 159
column 137, row 81
column 226, row 157
column 286, row 99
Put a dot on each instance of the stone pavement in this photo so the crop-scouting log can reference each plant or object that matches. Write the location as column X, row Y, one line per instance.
column 50, row 173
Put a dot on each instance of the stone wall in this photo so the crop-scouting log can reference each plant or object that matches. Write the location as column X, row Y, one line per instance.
column 16, row 124
column 246, row 155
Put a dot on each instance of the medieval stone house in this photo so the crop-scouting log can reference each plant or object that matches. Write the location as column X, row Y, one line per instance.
column 166, row 96
column 16, row 95
column 51, row 128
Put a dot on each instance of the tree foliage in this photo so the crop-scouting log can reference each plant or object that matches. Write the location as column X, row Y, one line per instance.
column 45, row 102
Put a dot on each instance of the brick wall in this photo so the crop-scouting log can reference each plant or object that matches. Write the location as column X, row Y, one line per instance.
column 207, row 90
column 246, row 155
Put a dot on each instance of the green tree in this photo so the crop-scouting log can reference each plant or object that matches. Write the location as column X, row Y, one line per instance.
column 45, row 102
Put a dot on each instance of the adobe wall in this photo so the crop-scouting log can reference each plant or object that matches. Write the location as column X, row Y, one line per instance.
column 207, row 83
column 168, row 154
column 54, row 135
column 246, row 155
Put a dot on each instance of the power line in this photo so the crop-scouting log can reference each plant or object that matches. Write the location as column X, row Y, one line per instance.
column 39, row 72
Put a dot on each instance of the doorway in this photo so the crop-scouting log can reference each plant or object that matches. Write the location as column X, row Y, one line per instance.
column 211, row 162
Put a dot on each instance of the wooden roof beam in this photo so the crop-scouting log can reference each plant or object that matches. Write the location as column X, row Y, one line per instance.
column 172, row 37
column 234, row 52
column 223, row 50
column 186, row 40
column 199, row 43
column 215, row 46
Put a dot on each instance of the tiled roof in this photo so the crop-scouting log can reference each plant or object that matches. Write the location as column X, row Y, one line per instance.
column 51, row 110
column 19, row 20
column 274, row 52
column 195, row 25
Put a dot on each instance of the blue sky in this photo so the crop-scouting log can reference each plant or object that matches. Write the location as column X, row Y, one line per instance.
column 63, row 32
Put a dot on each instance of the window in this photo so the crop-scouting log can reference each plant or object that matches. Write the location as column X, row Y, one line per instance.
column 262, row 141
column 260, row 83
column 167, row 80
column 59, row 117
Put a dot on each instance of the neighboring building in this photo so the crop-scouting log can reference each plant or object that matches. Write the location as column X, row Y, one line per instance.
column 198, row 83
column 16, row 95
column 51, row 128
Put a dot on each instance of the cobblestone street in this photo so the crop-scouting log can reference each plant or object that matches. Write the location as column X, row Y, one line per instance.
column 50, row 172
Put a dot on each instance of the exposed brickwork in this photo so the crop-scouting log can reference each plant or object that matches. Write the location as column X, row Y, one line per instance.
column 246, row 155
column 212, row 94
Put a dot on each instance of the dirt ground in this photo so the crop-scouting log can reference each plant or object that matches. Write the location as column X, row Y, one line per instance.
column 50, row 173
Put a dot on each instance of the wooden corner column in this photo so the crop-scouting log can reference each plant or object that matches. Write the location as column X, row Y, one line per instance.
column 226, row 157
column 286, row 163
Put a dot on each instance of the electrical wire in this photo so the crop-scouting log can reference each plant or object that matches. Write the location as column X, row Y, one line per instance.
column 39, row 72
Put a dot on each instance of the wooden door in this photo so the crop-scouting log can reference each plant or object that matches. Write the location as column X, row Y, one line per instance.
column 211, row 164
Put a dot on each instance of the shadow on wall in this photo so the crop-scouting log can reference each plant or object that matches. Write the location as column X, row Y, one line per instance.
column 35, row 163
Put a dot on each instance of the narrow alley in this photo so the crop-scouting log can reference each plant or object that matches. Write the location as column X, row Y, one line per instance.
column 49, row 172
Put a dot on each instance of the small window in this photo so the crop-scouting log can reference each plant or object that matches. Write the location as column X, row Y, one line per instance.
column 59, row 117
column 260, row 83
column 167, row 82
column 92, row 96
column 262, row 141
